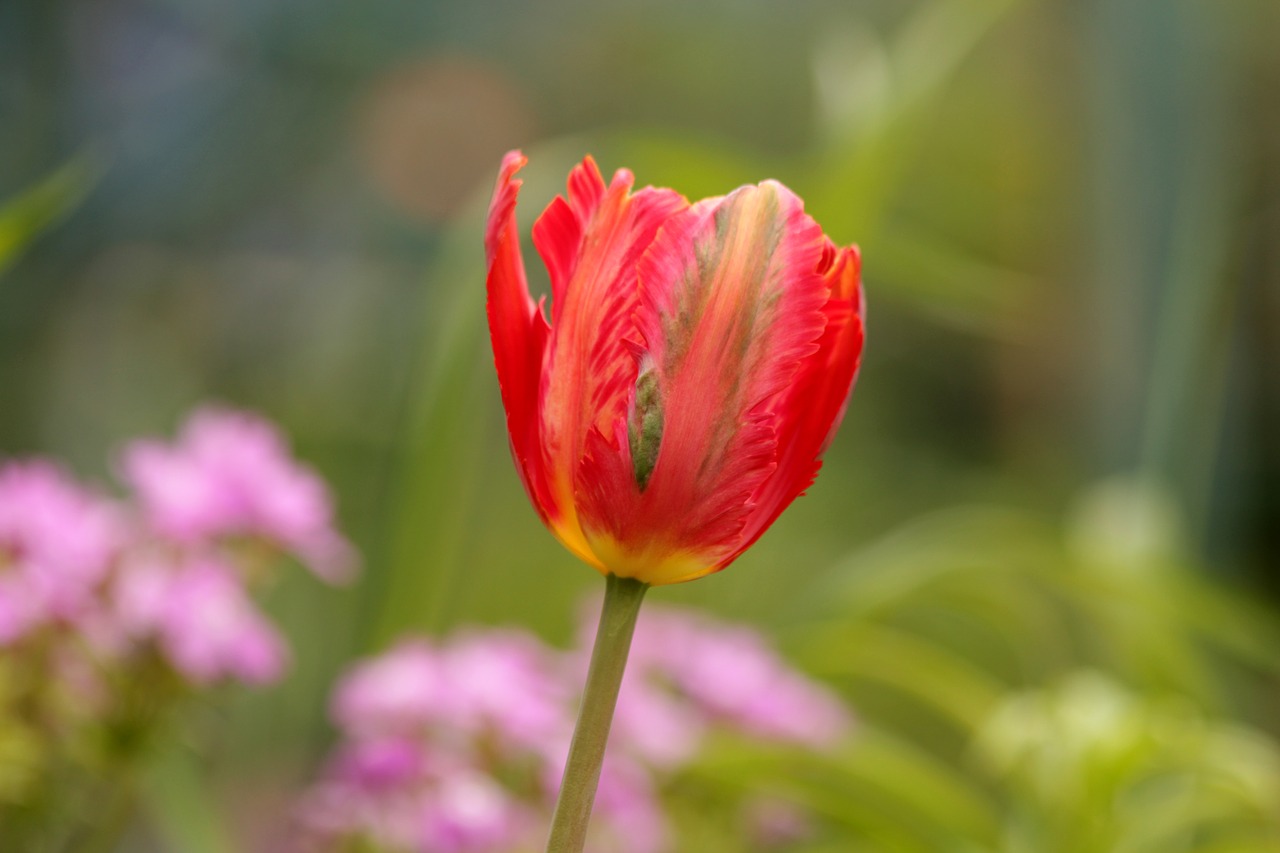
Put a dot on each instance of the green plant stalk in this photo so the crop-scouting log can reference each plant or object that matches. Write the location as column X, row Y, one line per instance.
column 622, row 598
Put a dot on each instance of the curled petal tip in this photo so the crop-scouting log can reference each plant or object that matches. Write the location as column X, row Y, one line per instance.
column 513, row 160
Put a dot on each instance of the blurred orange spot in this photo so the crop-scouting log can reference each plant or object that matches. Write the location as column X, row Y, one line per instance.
column 430, row 132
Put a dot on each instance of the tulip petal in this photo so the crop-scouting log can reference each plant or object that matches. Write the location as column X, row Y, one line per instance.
column 591, row 243
column 818, row 396
column 519, row 332
column 731, row 303
column 559, row 231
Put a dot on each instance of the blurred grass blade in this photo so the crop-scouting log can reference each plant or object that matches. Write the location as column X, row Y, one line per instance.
column 181, row 808
column 856, row 174
column 442, row 447
column 949, row 800
column 954, row 687
column 454, row 426
column 954, row 286
column 883, row 788
column 913, row 557
column 1021, row 618
column 1260, row 841
column 1242, row 627
column 24, row 217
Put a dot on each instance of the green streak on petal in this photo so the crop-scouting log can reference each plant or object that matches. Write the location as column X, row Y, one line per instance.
column 644, row 428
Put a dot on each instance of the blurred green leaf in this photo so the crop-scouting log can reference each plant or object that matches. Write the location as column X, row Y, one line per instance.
column 21, row 759
column 908, row 561
column 854, row 176
column 24, row 217
column 1091, row 765
column 1258, row 841
column 953, row 686
column 880, row 786
column 179, row 805
column 952, row 286
column 949, row 799
column 443, row 443
column 1242, row 627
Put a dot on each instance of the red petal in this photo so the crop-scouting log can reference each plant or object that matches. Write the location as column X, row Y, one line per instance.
column 731, row 305
column 519, row 332
column 558, row 233
column 816, row 402
column 590, row 244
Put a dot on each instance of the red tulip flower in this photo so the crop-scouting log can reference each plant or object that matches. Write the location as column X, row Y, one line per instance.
column 697, row 363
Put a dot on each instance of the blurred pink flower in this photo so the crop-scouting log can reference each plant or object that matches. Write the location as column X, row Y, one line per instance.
column 729, row 675
column 394, row 795
column 382, row 764
column 19, row 610
column 499, row 683
column 481, row 706
column 505, row 683
column 57, row 543
column 107, row 606
column 231, row 474
column 140, row 594
column 468, row 812
column 210, row 630
column 656, row 724
column 631, row 814
column 373, row 819
column 464, row 741
column 399, row 691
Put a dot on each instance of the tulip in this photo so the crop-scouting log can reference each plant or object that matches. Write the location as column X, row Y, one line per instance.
column 698, row 360
column 697, row 363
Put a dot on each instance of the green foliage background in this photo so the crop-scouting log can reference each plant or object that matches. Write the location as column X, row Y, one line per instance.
column 1040, row 560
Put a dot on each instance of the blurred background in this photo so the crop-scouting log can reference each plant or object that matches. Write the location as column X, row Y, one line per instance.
column 1040, row 561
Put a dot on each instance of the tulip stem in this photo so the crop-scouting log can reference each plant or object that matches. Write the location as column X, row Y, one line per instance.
column 622, row 598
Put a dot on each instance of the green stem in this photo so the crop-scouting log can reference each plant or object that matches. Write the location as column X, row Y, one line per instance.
column 622, row 597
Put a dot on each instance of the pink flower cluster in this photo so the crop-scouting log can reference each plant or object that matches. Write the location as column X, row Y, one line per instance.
column 167, row 572
column 57, row 544
column 688, row 674
column 458, row 746
column 231, row 474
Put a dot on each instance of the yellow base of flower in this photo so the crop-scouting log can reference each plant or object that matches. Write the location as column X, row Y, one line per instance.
column 654, row 566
